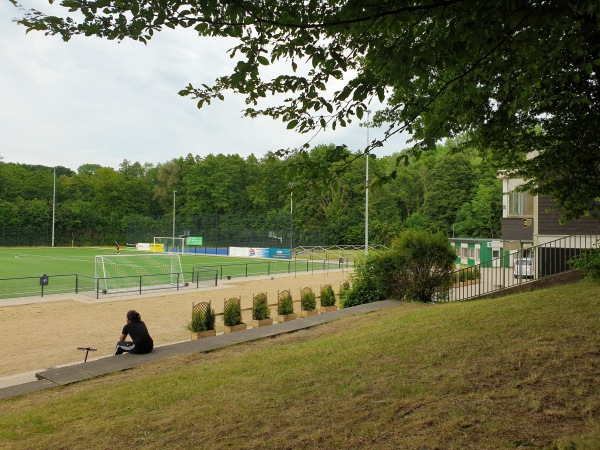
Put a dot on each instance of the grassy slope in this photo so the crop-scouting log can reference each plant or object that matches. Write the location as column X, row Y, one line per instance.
column 517, row 372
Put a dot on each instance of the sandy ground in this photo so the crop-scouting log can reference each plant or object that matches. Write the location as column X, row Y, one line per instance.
column 46, row 333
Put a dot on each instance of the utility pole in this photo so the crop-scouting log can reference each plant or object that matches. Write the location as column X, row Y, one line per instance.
column 53, row 206
column 292, row 218
column 174, row 199
column 367, row 190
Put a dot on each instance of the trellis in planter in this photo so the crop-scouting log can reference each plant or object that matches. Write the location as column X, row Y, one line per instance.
column 327, row 299
column 285, row 306
column 232, row 315
column 198, row 325
column 308, row 302
column 260, row 310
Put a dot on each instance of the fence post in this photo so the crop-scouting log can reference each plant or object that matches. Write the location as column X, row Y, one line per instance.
column 140, row 285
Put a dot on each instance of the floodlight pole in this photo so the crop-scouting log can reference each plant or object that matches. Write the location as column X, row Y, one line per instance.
column 367, row 190
column 292, row 218
column 53, row 206
column 174, row 200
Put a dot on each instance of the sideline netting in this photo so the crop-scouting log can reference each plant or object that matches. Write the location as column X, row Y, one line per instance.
column 116, row 272
column 168, row 245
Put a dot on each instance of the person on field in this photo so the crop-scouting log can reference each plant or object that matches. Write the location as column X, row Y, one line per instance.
column 141, row 342
column 118, row 247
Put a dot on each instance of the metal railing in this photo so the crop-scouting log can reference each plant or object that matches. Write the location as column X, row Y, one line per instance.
column 274, row 267
column 97, row 287
column 516, row 268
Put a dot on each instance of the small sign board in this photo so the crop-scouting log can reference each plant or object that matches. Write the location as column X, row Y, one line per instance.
column 495, row 244
column 193, row 240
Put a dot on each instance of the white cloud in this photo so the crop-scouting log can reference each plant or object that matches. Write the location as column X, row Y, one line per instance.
column 96, row 101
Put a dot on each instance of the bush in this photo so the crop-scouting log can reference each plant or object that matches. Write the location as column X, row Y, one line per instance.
column 308, row 300
column 428, row 262
column 363, row 291
column 344, row 292
column 210, row 318
column 417, row 268
column 588, row 262
column 232, row 314
column 467, row 273
column 286, row 305
column 202, row 320
column 261, row 310
column 327, row 296
column 373, row 280
column 198, row 322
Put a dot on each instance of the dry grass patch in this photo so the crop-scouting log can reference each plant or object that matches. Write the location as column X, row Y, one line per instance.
column 517, row 372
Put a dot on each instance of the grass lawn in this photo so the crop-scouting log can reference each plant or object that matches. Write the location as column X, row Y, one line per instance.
column 517, row 372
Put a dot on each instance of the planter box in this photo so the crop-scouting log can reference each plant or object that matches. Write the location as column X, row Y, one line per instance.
column 202, row 334
column 312, row 312
column 234, row 328
column 286, row 318
column 326, row 309
column 262, row 323
column 466, row 283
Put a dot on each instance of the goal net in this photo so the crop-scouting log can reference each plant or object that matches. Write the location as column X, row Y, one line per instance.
column 136, row 271
column 168, row 245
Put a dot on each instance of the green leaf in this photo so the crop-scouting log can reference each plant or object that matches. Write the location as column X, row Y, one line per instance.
column 292, row 124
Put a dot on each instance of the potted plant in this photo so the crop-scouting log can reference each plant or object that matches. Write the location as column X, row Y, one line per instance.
column 232, row 315
column 203, row 321
column 327, row 299
column 285, row 306
column 261, row 313
column 308, row 302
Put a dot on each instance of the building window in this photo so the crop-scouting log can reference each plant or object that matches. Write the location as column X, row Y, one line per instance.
column 457, row 251
column 464, row 252
column 520, row 204
column 471, row 253
column 477, row 254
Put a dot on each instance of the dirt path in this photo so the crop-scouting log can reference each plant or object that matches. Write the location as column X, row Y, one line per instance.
column 46, row 334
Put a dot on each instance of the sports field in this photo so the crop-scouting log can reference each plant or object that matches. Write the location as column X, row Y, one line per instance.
column 20, row 262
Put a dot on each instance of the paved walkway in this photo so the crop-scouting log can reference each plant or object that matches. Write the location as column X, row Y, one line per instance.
column 62, row 376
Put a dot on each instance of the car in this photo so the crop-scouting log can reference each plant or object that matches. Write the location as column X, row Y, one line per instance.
column 524, row 268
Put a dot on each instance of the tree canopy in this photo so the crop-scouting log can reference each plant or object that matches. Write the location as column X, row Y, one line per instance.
column 514, row 77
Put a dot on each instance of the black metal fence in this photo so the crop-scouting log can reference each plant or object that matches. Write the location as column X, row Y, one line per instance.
column 199, row 277
column 517, row 268
column 102, row 287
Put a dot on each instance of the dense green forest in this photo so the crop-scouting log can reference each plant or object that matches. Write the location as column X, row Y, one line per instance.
column 230, row 200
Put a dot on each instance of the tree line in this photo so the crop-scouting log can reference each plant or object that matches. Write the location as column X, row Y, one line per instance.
column 231, row 200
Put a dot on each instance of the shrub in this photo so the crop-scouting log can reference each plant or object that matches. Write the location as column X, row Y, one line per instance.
column 261, row 310
column 467, row 273
column 232, row 313
column 308, row 300
column 344, row 291
column 588, row 262
column 373, row 280
column 428, row 262
column 203, row 318
column 364, row 290
column 286, row 304
column 209, row 319
column 327, row 296
column 417, row 268
column 198, row 322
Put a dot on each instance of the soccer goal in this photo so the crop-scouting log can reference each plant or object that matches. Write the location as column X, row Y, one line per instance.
column 169, row 245
column 148, row 271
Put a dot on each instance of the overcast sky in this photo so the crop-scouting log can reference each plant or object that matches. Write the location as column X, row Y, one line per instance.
column 100, row 102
